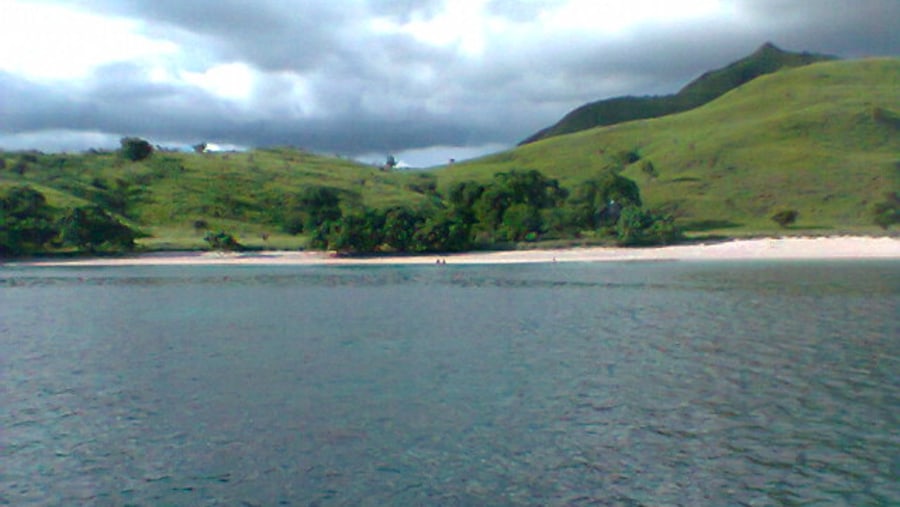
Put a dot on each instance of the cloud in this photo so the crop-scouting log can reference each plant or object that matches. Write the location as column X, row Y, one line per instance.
column 376, row 76
column 47, row 41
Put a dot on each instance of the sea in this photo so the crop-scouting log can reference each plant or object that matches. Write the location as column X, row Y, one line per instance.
column 681, row 383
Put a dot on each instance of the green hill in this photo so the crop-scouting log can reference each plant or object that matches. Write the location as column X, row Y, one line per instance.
column 174, row 197
column 765, row 60
column 823, row 139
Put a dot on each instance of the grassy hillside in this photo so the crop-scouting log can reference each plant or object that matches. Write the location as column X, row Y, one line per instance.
column 713, row 84
column 170, row 195
column 823, row 139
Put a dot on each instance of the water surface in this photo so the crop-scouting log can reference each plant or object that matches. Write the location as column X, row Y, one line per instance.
column 669, row 383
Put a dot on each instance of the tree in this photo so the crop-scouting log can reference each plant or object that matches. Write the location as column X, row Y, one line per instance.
column 785, row 217
column 444, row 231
column 23, row 202
column 638, row 227
column 135, row 148
column 26, row 221
column 592, row 200
column 357, row 232
column 531, row 188
column 311, row 210
column 390, row 162
column 199, row 148
column 521, row 221
column 528, row 192
column 91, row 227
column 465, row 194
column 321, row 204
column 400, row 225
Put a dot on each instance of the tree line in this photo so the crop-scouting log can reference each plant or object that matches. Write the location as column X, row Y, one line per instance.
column 513, row 207
column 29, row 225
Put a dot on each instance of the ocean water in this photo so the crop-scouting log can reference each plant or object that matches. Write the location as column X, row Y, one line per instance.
column 621, row 384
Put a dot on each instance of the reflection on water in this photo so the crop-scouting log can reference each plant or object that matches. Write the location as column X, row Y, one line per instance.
column 564, row 384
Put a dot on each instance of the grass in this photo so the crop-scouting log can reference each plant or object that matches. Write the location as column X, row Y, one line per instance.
column 241, row 193
column 820, row 139
column 713, row 84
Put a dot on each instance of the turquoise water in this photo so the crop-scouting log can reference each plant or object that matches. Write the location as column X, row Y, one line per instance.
column 671, row 383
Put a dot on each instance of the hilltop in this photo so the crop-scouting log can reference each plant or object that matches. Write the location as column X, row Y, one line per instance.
column 822, row 139
column 765, row 60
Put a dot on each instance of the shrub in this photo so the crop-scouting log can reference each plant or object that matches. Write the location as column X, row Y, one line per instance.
column 597, row 202
column 520, row 220
column 26, row 222
column 222, row 241
column 649, row 170
column 785, row 217
column 887, row 212
column 638, row 227
column 91, row 227
column 135, row 148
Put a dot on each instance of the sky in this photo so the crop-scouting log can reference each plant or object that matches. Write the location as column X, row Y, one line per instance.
column 424, row 80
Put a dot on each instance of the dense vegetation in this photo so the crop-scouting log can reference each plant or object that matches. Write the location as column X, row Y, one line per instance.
column 711, row 85
column 30, row 225
column 513, row 207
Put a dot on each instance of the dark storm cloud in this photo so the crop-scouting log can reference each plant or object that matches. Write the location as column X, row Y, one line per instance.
column 846, row 27
column 274, row 35
column 373, row 91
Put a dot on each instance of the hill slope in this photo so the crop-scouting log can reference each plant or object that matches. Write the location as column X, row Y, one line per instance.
column 169, row 195
column 765, row 60
column 823, row 139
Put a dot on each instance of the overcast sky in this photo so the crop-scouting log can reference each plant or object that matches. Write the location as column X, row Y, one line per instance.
column 422, row 79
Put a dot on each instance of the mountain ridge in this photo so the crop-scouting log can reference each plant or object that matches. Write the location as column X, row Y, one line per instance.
column 710, row 85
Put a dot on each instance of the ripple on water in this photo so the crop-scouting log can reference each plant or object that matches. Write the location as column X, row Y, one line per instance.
column 614, row 384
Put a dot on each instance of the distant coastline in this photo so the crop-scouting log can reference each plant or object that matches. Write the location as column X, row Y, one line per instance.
column 796, row 248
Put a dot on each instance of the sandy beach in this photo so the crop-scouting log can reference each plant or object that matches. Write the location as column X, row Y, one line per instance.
column 842, row 247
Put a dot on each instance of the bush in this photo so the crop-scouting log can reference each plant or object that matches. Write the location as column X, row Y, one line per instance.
column 785, row 217
column 649, row 170
column 92, row 228
column 597, row 202
column 629, row 157
column 637, row 227
column 887, row 212
column 26, row 222
column 222, row 240
column 135, row 148
column 520, row 220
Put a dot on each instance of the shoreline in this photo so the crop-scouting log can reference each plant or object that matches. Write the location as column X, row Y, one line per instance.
column 785, row 248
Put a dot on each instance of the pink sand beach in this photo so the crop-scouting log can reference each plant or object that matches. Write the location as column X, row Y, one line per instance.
column 841, row 247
